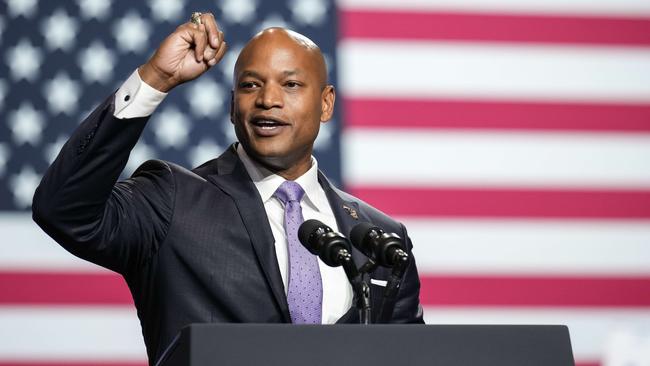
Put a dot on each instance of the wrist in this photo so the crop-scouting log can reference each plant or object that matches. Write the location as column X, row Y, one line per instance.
column 155, row 78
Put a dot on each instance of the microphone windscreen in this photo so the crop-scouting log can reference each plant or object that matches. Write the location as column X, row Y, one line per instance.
column 309, row 227
column 359, row 232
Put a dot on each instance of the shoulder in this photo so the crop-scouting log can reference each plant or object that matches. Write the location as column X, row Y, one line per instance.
column 224, row 163
column 160, row 169
column 371, row 214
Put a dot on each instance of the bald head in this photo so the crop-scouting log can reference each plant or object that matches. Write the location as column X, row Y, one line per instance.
column 279, row 100
column 283, row 39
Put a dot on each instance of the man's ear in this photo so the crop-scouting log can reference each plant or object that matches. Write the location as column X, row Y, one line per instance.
column 328, row 97
column 232, row 106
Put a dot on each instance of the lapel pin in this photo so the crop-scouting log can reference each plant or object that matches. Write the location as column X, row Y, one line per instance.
column 352, row 212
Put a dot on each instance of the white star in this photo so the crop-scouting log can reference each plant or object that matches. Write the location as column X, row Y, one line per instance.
column 62, row 94
column 24, row 60
column 4, row 157
column 23, row 186
column 238, row 11
column 206, row 149
column 97, row 9
column 227, row 63
column 325, row 134
column 205, row 98
column 26, row 8
column 140, row 153
column 3, row 92
column 26, row 124
column 59, row 30
column 96, row 62
column 309, row 12
column 273, row 20
column 166, row 10
column 132, row 32
column 52, row 149
column 171, row 128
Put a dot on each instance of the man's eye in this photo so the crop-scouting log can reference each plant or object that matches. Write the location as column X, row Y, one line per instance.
column 247, row 85
column 292, row 84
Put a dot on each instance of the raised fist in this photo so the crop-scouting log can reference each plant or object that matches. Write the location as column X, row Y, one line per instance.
column 185, row 54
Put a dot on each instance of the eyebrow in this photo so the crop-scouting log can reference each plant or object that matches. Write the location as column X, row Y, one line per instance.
column 246, row 73
column 291, row 72
column 256, row 75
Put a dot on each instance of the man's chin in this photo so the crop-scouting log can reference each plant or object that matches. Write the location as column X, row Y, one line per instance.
column 274, row 159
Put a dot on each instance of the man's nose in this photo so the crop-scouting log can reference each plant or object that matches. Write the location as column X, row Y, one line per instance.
column 270, row 96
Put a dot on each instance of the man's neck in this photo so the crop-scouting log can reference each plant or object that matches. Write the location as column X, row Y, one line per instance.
column 266, row 167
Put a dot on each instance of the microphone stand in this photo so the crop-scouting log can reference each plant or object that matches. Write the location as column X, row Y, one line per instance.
column 392, row 287
column 359, row 287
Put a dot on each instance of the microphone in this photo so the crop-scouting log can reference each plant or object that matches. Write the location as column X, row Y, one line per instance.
column 331, row 247
column 334, row 249
column 387, row 249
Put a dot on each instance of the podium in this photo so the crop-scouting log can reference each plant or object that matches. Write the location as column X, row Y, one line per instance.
column 369, row 345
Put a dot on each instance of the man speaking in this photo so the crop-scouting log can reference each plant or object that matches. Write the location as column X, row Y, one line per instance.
column 217, row 243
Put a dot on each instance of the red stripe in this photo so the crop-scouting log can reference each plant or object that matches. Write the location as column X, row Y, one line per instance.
column 93, row 289
column 92, row 363
column 63, row 289
column 513, row 203
column 409, row 113
column 405, row 25
column 70, row 363
column 521, row 291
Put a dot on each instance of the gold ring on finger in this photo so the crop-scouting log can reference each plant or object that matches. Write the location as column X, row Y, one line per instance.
column 196, row 18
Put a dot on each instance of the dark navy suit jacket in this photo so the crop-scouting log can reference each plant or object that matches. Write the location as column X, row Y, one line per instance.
column 193, row 246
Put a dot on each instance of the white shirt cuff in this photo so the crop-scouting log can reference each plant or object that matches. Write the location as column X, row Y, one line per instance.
column 135, row 98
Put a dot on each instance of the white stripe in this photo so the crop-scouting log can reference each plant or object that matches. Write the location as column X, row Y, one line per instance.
column 591, row 330
column 481, row 70
column 634, row 8
column 71, row 333
column 522, row 159
column 516, row 247
column 25, row 247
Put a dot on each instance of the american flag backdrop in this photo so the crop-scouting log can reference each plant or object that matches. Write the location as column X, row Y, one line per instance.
column 511, row 137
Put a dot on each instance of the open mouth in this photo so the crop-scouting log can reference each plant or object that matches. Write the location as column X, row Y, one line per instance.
column 265, row 126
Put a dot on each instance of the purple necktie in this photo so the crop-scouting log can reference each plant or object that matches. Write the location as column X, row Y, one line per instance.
column 305, row 288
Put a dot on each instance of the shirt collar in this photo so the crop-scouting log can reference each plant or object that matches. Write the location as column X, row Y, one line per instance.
column 268, row 182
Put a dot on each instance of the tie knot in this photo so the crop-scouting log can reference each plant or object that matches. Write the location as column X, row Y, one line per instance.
column 289, row 191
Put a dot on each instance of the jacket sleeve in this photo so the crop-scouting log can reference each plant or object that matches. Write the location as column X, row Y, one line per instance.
column 80, row 205
column 408, row 308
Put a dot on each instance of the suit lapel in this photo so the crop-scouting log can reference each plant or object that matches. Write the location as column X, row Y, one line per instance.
column 233, row 179
column 346, row 213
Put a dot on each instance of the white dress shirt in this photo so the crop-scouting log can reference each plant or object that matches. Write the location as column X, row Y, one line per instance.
column 137, row 99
